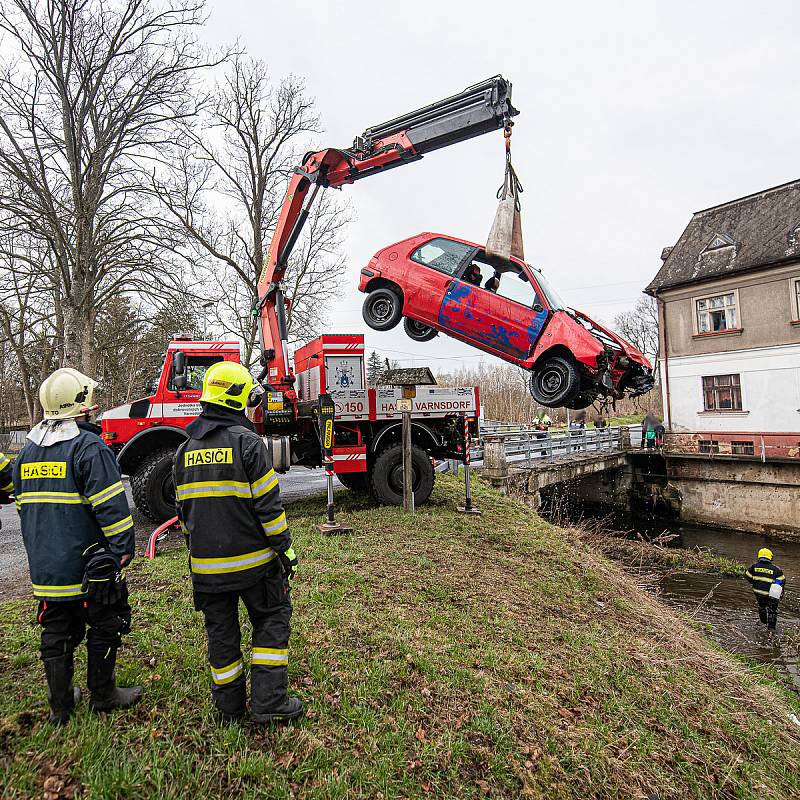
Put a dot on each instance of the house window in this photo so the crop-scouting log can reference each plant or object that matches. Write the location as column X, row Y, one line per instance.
column 796, row 295
column 717, row 313
column 722, row 393
column 742, row 448
column 708, row 446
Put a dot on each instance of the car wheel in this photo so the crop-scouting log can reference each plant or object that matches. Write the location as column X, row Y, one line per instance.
column 418, row 331
column 555, row 382
column 382, row 309
column 386, row 479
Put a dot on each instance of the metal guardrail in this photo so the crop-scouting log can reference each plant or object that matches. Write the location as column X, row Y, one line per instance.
column 527, row 444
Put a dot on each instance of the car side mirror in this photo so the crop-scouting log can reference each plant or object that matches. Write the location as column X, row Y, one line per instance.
column 537, row 307
column 179, row 369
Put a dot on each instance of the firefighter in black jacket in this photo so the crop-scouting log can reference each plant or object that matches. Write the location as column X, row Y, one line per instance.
column 229, row 506
column 6, row 481
column 74, row 514
column 767, row 580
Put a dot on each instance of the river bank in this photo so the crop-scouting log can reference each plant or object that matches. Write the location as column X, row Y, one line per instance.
column 440, row 656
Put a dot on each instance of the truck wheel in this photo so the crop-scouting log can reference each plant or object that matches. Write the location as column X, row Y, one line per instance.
column 382, row 309
column 555, row 382
column 152, row 486
column 355, row 481
column 418, row 331
column 386, row 480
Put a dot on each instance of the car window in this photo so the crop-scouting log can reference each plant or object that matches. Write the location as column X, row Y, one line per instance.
column 443, row 255
column 513, row 287
column 551, row 295
column 196, row 367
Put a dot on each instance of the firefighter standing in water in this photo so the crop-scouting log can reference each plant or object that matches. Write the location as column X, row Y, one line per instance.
column 767, row 580
column 78, row 533
column 229, row 506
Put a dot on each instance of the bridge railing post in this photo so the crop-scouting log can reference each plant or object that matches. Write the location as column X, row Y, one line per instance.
column 625, row 438
column 495, row 462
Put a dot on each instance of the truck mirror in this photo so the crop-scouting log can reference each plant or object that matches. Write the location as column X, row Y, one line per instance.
column 537, row 307
column 179, row 369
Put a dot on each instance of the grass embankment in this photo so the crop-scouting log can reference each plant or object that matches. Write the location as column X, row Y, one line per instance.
column 444, row 656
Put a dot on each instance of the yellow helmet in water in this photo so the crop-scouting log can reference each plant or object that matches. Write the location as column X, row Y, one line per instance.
column 227, row 384
column 765, row 552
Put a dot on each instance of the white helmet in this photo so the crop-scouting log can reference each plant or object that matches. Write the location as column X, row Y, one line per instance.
column 66, row 393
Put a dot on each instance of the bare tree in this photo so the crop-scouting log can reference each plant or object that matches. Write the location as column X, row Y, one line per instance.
column 640, row 326
column 244, row 150
column 90, row 95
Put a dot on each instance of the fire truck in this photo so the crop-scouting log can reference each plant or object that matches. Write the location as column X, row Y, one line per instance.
column 367, row 452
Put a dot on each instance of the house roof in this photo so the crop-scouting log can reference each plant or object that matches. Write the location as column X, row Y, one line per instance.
column 754, row 231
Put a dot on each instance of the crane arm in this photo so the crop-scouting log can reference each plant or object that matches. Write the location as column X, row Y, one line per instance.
column 479, row 109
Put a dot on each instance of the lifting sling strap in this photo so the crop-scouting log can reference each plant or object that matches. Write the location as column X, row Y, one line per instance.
column 505, row 236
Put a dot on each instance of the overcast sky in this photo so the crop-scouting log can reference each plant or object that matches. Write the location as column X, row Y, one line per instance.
column 632, row 116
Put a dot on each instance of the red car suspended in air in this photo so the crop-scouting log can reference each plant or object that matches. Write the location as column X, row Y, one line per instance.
column 439, row 283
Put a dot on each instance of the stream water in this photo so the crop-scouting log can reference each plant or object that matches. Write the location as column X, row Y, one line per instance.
column 725, row 605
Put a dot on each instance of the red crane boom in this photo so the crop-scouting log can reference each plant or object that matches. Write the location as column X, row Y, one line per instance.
column 479, row 109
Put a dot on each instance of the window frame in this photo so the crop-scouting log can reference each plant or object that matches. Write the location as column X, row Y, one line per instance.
column 696, row 299
column 794, row 299
column 520, row 268
column 170, row 387
column 458, row 271
column 735, row 388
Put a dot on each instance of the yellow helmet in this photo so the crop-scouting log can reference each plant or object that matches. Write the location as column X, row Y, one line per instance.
column 227, row 384
column 67, row 393
column 765, row 552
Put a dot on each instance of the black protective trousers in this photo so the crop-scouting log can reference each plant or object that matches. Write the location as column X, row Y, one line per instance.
column 269, row 606
column 768, row 610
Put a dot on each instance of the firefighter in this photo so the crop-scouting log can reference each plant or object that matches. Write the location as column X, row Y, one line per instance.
column 767, row 580
column 78, row 534
column 229, row 506
column 6, row 482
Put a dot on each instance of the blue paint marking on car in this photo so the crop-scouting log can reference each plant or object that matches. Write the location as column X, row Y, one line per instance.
column 535, row 328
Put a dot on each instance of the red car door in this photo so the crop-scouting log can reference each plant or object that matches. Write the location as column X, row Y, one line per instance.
column 492, row 320
column 431, row 268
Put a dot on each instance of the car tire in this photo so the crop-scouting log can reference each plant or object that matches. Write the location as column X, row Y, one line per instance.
column 386, row 479
column 555, row 382
column 419, row 331
column 354, row 481
column 152, row 486
column 382, row 309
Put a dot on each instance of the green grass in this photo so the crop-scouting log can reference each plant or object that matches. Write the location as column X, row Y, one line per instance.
column 439, row 656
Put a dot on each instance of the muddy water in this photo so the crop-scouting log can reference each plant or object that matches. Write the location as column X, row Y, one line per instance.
column 726, row 605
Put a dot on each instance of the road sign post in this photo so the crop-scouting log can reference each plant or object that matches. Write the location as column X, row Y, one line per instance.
column 467, row 508
column 325, row 413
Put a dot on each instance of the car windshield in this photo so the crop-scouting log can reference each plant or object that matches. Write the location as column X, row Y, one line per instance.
column 551, row 295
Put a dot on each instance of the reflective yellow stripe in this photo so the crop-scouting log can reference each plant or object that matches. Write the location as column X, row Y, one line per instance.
column 70, row 590
column 118, row 527
column 69, row 498
column 107, row 493
column 224, row 675
column 277, row 525
column 8, row 488
column 763, row 578
column 264, row 485
column 760, row 591
column 270, row 656
column 190, row 491
column 214, row 566
column 4, row 462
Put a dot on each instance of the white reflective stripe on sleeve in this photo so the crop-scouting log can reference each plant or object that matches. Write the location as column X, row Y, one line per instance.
column 107, row 493
column 118, row 527
column 277, row 525
column 265, row 484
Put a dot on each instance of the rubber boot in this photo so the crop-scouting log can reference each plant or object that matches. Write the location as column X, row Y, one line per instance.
column 270, row 698
column 106, row 695
column 61, row 694
column 230, row 700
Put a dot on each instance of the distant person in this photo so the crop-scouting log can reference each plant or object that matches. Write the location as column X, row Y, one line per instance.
column 660, row 430
column 649, row 424
column 600, row 423
column 767, row 580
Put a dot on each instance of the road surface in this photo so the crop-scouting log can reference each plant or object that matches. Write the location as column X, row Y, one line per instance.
column 295, row 484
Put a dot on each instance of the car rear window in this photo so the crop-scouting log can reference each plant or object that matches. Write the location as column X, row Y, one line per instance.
column 444, row 255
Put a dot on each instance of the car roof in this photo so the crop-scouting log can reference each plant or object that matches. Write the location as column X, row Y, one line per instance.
column 435, row 235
